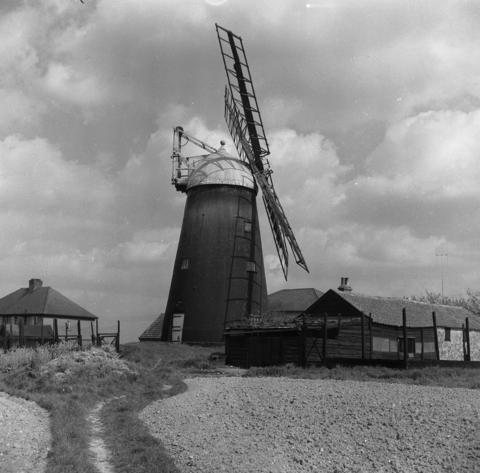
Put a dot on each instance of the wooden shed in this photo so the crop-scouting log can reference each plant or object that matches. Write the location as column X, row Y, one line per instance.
column 373, row 327
column 345, row 326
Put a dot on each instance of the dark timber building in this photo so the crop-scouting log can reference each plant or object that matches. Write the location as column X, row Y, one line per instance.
column 344, row 326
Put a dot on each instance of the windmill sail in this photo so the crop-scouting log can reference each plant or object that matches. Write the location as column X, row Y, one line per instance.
column 246, row 128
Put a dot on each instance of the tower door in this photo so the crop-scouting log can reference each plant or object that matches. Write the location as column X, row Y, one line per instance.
column 177, row 327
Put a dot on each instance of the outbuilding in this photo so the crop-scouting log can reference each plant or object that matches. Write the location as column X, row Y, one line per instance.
column 30, row 315
column 344, row 326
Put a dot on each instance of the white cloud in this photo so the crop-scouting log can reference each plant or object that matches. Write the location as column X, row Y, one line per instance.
column 35, row 177
column 18, row 55
column 70, row 85
column 19, row 111
column 424, row 175
column 148, row 246
column 307, row 175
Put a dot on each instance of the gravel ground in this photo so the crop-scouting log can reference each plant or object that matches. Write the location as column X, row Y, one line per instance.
column 24, row 436
column 290, row 425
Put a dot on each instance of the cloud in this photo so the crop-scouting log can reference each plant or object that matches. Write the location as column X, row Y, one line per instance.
column 148, row 246
column 371, row 110
column 35, row 177
column 307, row 175
column 423, row 175
column 70, row 85
column 19, row 111
column 18, row 56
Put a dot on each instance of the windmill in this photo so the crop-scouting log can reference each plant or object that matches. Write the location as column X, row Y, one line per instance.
column 218, row 276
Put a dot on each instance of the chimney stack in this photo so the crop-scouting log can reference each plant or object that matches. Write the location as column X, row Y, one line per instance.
column 344, row 287
column 34, row 284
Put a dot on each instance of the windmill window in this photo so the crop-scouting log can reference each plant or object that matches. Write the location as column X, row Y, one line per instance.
column 251, row 267
column 185, row 263
column 448, row 335
column 247, row 226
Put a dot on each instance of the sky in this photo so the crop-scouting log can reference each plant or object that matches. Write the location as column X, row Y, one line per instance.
column 371, row 109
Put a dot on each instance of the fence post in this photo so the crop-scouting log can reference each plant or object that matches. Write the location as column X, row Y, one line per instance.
column 362, row 331
column 467, row 335
column 422, row 341
column 93, row 333
column 99, row 342
column 79, row 333
column 41, row 331
column 20, row 332
column 405, row 340
column 303, row 343
column 435, row 335
column 371, row 334
column 324, row 348
column 55, row 330
column 66, row 331
column 4, row 320
column 117, row 341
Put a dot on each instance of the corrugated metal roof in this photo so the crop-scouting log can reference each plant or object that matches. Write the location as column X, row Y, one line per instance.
column 296, row 300
column 388, row 310
column 154, row 332
column 44, row 301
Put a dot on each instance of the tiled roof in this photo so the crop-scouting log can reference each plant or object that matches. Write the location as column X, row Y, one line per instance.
column 296, row 300
column 388, row 310
column 44, row 301
column 154, row 332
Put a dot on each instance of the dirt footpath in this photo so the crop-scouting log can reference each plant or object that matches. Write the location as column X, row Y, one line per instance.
column 24, row 436
column 288, row 425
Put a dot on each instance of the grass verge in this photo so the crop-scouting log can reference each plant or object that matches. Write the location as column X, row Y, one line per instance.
column 455, row 377
column 69, row 383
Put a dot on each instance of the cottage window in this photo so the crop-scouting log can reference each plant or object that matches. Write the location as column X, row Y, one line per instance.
column 251, row 267
column 448, row 335
column 185, row 263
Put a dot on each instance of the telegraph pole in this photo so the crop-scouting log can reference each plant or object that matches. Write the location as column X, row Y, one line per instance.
column 442, row 253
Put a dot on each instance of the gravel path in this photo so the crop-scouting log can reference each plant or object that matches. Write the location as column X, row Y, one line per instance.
column 289, row 425
column 24, row 436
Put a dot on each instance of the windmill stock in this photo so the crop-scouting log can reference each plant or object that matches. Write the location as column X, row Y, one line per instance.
column 218, row 276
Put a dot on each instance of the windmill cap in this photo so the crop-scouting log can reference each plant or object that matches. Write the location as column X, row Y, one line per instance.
column 220, row 168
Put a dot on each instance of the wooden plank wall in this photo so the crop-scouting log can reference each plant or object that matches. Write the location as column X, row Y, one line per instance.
column 347, row 344
column 262, row 349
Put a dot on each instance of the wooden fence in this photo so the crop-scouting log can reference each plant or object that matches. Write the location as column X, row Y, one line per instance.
column 20, row 334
